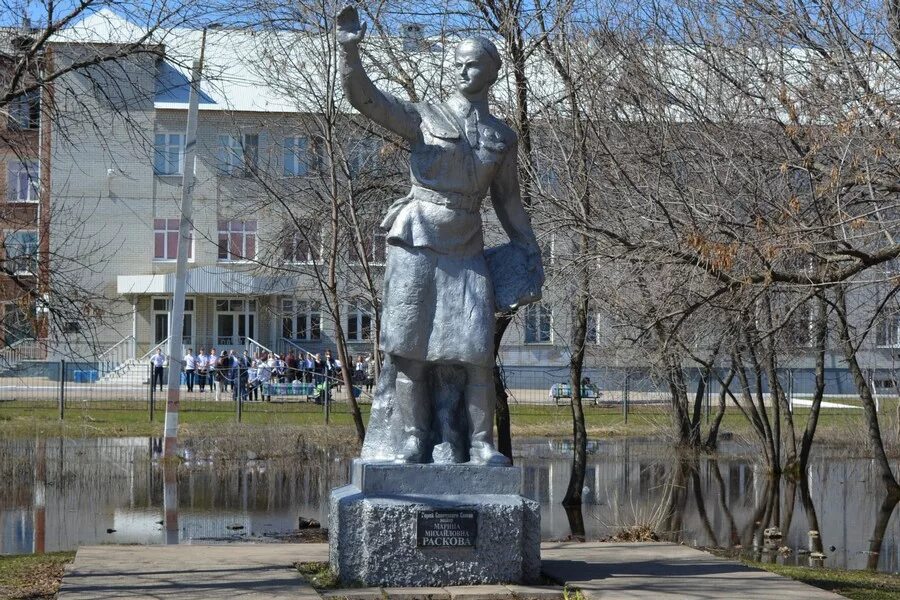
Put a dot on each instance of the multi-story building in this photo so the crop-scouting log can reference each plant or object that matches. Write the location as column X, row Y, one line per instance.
column 24, row 220
column 262, row 220
column 117, row 176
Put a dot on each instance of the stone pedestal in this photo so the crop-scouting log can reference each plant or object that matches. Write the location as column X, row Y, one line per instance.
column 433, row 525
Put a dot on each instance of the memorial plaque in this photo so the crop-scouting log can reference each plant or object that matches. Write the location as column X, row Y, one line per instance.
column 447, row 528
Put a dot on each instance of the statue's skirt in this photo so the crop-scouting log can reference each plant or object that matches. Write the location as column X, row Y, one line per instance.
column 437, row 307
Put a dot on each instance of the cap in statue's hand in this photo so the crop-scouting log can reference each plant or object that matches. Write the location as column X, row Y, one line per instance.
column 349, row 29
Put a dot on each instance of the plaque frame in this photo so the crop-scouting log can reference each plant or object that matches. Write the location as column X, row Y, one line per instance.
column 458, row 528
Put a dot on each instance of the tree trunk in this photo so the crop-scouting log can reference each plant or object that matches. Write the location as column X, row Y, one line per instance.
column 770, row 427
column 501, row 414
column 331, row 285
column 576, row 522
column 678, row 393
column 759, row 425
column 576, row 369
column 347, row 376
column 712, row 436
column 697, row 413
column 873, row 429
column 703, row 384
column 809, row 433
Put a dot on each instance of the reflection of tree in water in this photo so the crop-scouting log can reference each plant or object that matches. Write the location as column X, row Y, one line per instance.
column 733, row 537
column 885, row 511
column 815, row 534
column 674, row 501
column 692, row 483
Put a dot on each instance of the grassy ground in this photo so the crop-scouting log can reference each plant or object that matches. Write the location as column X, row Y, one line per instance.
column 34, row 576
column 128, row 418
column 857, row 585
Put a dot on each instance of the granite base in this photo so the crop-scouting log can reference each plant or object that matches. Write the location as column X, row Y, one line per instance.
column 376, row 537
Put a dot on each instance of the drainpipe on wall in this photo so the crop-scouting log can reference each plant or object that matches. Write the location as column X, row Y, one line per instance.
column 134, row 317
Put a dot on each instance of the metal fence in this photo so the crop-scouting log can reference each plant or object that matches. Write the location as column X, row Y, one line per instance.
column 639, row 387
column 63, row 386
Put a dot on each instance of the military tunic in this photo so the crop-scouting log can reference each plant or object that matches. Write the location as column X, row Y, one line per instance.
column 438, row 302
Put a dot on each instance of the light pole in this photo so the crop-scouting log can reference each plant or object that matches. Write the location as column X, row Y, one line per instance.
column 176, row 358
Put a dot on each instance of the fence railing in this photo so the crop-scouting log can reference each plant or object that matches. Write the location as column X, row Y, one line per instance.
column 145, row 358
column 117, row 357
column 80, row 383
column 63, row 385
column 26, row 349
column 286, row 345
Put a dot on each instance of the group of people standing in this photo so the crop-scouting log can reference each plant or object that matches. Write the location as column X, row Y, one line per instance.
column 314, row 368
column 246, row 374
column 242, row 373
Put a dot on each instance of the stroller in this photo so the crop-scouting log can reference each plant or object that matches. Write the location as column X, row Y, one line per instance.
column 320, row 390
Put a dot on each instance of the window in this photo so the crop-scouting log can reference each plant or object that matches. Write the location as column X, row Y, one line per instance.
column 21, row 252
column 22, row 181
column 165, row 240
column 547, row 176
column 236, row 305
column 71, row 327
column 538, row 318
column 237, row 239
column 799, row 330
column 887, row 334
column 359, row 322
column 375, row 247
column 18, row 324
column 304, row 247
column 25, row 111
column 593, row 327
column 362, row 155
column 296, row 156
column 168, row 154
column 548, row 249
column 165, row 304
column 301, row 319
column 239, row 154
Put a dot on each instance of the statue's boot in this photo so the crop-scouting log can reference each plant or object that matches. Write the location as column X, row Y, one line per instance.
column 480, row 403
column 411, row 398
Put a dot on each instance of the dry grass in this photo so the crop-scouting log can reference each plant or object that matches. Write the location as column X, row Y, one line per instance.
column 634, row 533
column 33, row 576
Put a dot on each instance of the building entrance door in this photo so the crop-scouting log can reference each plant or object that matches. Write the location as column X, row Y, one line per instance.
column 235, row 322
column 162, row 307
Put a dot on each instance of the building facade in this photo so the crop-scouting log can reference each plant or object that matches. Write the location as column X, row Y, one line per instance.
column 278, row 169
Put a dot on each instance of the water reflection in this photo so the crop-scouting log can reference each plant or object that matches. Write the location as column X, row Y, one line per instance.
column 65, row 493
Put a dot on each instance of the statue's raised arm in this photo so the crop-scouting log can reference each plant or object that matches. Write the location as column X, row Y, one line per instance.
column 383, row 108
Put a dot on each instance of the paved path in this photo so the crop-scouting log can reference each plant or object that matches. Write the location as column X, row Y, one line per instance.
column 255, row 571
column 186, row 572
column 661, row 570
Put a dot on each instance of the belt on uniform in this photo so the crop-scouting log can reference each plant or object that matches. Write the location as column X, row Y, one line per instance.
column 453, row 200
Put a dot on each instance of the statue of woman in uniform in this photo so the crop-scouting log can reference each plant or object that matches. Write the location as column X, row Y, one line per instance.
column 438, row 304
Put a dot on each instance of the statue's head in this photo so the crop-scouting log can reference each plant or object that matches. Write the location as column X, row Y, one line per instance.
column 477, row 63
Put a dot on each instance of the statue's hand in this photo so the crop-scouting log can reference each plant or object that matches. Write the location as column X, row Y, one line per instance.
column 349, row 29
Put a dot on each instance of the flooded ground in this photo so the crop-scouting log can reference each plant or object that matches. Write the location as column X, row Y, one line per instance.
column 59, row 494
